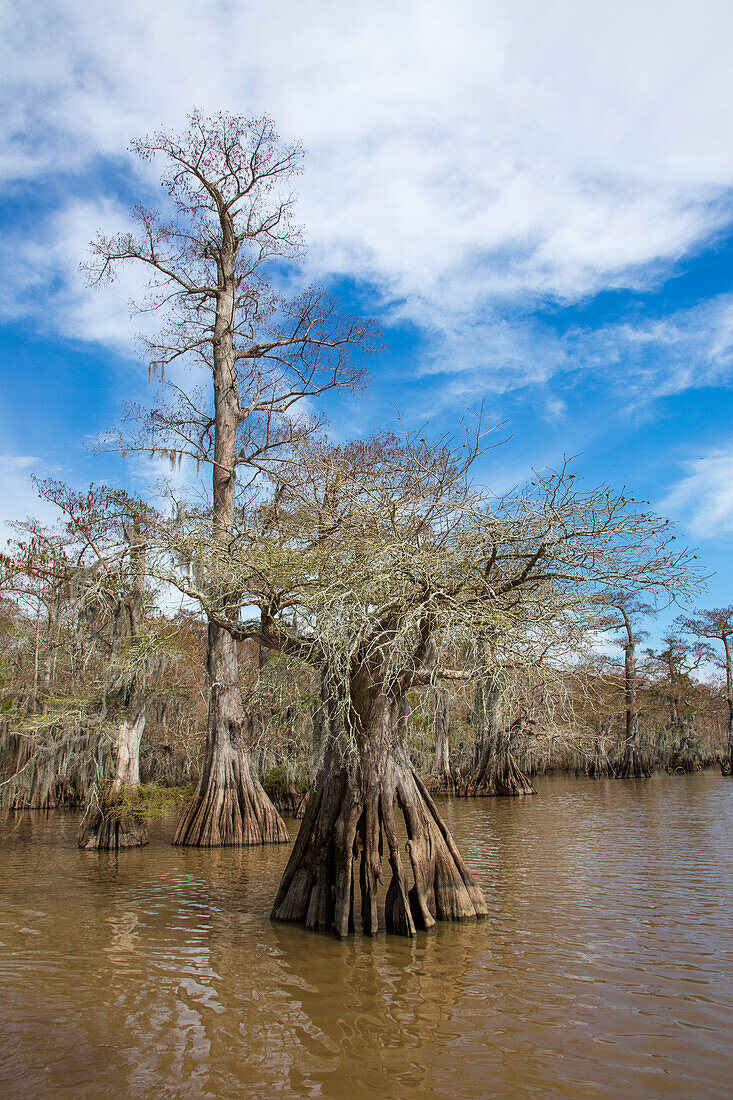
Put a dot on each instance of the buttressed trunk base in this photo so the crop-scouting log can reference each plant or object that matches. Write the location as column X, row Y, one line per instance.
column 499, row 775
column 599, row 766
column 726, row 764
column 231, row 808
column 350, row 813
column 632, row 765
column 495, row 771
column 112, row 825
column 441, row 776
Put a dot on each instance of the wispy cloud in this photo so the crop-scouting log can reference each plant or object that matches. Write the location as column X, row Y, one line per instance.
column 682, row 350
column 41, row 276
column 703, row 497
column 19, row 497
column 636, row 363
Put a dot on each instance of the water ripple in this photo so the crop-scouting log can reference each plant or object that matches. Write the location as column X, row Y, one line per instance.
column 605, row 967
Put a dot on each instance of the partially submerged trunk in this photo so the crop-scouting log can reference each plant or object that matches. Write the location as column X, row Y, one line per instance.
column 293, row 801
column 632, row 765
column 287, row 795
column 441, row 775
column 599, row 765
column 685, row 758
column 350, row 813
column 726, row 764
column 114, row 819
column 496, row 772
column 230, row 807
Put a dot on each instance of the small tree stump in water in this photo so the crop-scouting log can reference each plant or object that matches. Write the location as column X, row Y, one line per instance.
column 113, row 822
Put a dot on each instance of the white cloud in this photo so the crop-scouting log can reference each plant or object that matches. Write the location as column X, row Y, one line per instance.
column 704, row 496
column 685, row 349
column 42, row 276
column 16, row 463
column 635, row 362
column 19, row 497
column 459, row 154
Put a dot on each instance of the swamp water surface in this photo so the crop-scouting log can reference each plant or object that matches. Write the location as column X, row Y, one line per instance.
column 604, row 970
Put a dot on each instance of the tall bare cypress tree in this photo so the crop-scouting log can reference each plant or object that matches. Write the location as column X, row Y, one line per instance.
column 214, row 260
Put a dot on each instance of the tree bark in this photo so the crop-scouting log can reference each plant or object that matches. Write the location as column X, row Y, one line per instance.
column 231, row 807
column 113, row 821
column 441, row 774
column 350, row 813
column 726, row 764
column 632, row 766
column 496, row 772
column 599, row 766
column 685, row 757
column 48, row 659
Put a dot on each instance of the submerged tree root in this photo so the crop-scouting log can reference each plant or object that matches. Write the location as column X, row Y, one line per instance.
column 292, row 801
column 288, row 795
column 598, row 768
column 346, row 822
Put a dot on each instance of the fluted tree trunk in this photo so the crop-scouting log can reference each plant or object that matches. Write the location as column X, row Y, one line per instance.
column 681, row 755
column 351, row 812
column 112, row 819
column 727, row 761
column 230, row 808
column 441, row 773
column 496, row 772
column 599, row 765
column 685, row 755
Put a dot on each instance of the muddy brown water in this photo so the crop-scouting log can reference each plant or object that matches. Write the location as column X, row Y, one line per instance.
column 605, row 969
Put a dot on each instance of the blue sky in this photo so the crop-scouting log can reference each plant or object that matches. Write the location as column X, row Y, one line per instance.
column 535, row 200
